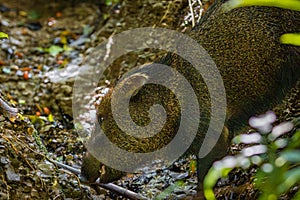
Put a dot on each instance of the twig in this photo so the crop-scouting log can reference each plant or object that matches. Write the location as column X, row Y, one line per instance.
column 67, row 167
column 192, row 13
column 201, row 10
column 122, row 191
column 109, row 186
column 165, row 14
column 17, row 152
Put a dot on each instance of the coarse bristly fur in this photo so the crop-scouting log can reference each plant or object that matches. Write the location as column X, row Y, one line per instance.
column 256, row 68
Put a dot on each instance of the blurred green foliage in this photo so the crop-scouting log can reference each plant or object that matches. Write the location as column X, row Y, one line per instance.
column 111, row 2
column 275, row 155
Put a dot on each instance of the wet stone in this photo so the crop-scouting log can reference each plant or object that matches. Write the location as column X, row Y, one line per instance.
column 192, row 192
column 181, row 196
column 4, row 160
column 179, row 176
column 12, row 175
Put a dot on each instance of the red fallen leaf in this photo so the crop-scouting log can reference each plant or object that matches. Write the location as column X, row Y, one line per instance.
column 19, row 54
column 46, row 110
column 58, row 14
column 2, row 63
column 26, row 75
column 26, row 69
column 60, row 62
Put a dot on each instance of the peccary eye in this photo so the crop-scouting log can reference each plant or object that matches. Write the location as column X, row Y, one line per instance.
column 100, row 119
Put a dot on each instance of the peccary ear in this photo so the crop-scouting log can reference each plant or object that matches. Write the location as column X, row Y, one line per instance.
column 130, row 85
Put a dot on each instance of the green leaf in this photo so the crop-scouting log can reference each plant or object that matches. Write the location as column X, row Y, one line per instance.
column 291, row 178
column 110, row 2
column 211, row 179
column 168, row 191
column 54, row 50
column 87, row 30
column 295, row 141
column 3, row 36
column 50, row 118
column 291, row 156
column 33, row 15
column 286, row 4
column 290, row 38
column 297, row 196
column 67, row 48
column 36, row 119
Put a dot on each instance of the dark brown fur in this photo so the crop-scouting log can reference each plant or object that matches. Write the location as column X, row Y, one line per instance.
column 256, row 69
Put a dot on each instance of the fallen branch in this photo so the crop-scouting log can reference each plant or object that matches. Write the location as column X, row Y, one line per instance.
column 109, row 186
column 122, row 191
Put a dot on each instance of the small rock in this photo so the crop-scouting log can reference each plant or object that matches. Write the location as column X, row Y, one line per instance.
column 4, row 160
column 2, row 118
column 4, row 23
column 12, row 175
column 36, row 99
column 16, row 42
column 19, row 73
column 178, row 191
column 192, row 192
column 179, row 176
column 181, row 196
